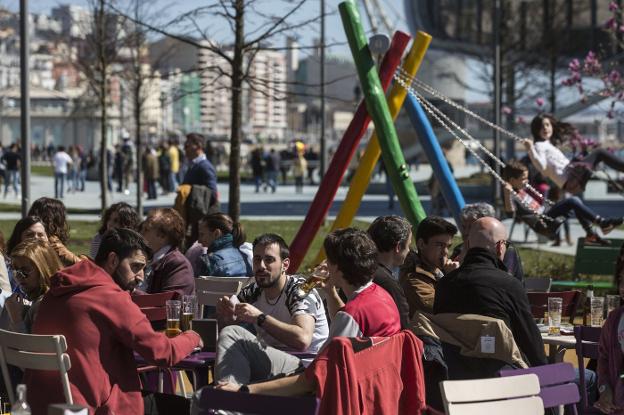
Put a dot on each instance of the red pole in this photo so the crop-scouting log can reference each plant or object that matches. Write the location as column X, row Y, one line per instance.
column 342, row 157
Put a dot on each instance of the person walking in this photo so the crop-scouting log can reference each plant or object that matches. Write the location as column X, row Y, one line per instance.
column 62, row 161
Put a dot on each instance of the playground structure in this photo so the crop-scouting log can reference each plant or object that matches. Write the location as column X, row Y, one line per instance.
column 409, row 91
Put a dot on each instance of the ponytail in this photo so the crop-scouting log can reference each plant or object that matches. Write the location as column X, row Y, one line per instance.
column 238, row 234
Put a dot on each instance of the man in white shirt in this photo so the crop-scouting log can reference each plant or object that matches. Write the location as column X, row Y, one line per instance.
column 282, row 320
column 61, row 161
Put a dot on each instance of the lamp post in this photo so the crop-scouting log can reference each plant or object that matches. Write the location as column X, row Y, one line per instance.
column 25, row 104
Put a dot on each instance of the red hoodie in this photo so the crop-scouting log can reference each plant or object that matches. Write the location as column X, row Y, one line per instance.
column 102, row 327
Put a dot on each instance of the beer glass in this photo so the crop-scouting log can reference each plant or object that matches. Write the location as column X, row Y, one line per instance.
column 613, row 302
column 597, row 311
column 189, row 312
column 173, row 318
column 555, row 308
column 319, row 275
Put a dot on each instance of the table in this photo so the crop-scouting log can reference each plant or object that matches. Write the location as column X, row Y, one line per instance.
column 198, row 363
column 557, row 346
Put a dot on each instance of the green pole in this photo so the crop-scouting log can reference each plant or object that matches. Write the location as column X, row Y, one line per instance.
column 396, row 167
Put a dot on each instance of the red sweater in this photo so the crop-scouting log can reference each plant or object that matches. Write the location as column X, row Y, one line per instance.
column 386, row 378
column 102, row 327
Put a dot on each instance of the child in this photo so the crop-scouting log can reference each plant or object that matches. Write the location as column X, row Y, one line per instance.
column 530, row 205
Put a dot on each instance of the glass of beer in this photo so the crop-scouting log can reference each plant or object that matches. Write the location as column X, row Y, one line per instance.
column 613, row 302
column 189, row 312
column 319, row 275
column 173, row 317
column 555, row 308
column 597, row 311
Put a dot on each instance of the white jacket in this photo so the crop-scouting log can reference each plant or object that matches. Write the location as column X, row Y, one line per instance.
column 550, row 161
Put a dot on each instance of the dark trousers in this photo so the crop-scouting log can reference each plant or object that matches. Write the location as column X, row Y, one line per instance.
column 601, row 155
column 565, row 207
column 151, row 189
column 59, row 184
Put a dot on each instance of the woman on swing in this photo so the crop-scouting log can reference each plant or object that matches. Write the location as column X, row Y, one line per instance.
column 572, row 177
column 516, row 175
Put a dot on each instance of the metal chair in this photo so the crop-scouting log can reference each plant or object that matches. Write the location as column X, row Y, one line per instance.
column 587, row 339
column 557, row 385
column 38, row 352
column 516, row 395
column 213, row 399
column 540, row 285
column 539, row 303
column 209, row 289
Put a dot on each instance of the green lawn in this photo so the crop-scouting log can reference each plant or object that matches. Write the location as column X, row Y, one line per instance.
column 536, row 263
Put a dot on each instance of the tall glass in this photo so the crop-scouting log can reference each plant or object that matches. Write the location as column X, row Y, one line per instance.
column 597, row 311
column 189, row 312
column 319, row 275
column 613, row 302
column 555, row 308
column 173, row 317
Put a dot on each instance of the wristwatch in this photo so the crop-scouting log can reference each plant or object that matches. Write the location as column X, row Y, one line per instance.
column 244, row 388
column 261, row 319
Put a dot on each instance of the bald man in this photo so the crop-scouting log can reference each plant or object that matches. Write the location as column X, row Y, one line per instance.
column 482, row 285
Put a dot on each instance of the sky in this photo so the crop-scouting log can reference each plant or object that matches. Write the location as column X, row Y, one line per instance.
column 334, row 33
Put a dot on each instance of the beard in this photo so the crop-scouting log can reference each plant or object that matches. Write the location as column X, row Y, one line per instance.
column 123, row 283
column 265, row 280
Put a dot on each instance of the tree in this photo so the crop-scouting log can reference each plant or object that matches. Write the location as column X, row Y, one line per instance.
column 98, row 54
column 604, row 65
column 237, row 50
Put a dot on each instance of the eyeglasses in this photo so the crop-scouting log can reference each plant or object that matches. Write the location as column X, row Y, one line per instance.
column 505, row 242
column 21, row 274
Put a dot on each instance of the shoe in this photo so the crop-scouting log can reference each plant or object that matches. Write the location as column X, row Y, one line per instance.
column 556, row 243
column 595, row 240
column 608, row 225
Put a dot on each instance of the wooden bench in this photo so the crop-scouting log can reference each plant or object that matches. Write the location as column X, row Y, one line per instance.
column 593, row 260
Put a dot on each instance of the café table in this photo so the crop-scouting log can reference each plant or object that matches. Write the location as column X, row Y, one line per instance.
column 198, row 363
column 557, row 345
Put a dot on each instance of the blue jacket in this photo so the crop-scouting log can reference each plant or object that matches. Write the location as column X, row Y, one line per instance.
column 225, row 260
column 202, row 173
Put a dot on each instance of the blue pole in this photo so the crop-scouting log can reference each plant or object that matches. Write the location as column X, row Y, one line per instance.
column 440, row 166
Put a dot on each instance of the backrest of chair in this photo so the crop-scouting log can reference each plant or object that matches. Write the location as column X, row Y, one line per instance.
column 31, row 351
column 154, row 305
column 154, row 300
column 596, row 260
column 539, row 303
column 212, row 399
column 587, row 339
column 557, row 385
column 479, row 390
column 210, row 289
column 537, row 284
column 523, row 406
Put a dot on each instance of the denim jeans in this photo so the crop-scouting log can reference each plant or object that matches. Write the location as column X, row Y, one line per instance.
column 59, row 184
column 606, row 157
column 585, row 215
column 11, row 179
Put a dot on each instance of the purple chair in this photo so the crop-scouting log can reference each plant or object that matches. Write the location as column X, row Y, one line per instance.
column 557, row 385
column 214, row 399
column 587, row 339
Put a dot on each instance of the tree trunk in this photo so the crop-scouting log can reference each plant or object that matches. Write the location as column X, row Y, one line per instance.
column 139, row 160
column 237, row 112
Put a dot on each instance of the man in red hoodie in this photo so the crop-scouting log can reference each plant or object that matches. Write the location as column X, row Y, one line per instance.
column 89, row 304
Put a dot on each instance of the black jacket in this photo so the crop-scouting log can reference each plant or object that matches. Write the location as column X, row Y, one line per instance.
column 483, row 286
column 383, row 278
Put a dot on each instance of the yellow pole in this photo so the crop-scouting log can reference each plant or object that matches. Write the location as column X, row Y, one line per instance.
column 362, row 176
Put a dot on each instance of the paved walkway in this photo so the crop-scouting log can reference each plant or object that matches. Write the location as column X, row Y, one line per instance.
column 284, row 204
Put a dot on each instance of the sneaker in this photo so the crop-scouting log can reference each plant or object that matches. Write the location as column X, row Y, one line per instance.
column 609, row 224
column 595, row 240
